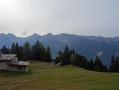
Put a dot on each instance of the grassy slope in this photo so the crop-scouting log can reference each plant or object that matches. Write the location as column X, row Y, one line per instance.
column 43, row 77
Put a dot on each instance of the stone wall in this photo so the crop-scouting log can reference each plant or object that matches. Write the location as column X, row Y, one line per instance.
column 4, row 66
column 18, row 68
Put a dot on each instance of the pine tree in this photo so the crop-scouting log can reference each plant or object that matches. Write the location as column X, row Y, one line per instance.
column 73, row 59
column 36, row 51
column 91, row 64
column 43, row 55
column 65, row 58
column 79, row 60
column 84, row 62
column 21, row 52
column 117, row 64
column 57, row 60
column 113, row 59
column 105, row 68
column 113, row 66
column 26, row 51
column 17, row 50
column 99, row 66
column 48, row 54
column 13, row 49
column 5, row 50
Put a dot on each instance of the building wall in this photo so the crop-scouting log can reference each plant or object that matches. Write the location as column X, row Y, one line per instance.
column 4, row 66
column 16, row 68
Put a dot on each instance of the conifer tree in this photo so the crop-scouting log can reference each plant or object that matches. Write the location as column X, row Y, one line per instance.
column 48, row 54
column 73, row 59
column 5, row 50
column 21, row 52
column 114, row 67
column 13, row 49
column 91, row 64
column 36, row 51
column 26, row 51
column 65, row 59
column 98, row 64
column 17, row 49
column 84, row 62
column 57, row 60
column 43, row 56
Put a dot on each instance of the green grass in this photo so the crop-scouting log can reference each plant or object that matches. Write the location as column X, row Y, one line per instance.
column 43, row 77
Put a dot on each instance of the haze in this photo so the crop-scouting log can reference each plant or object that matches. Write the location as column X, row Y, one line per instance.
column 81, row 17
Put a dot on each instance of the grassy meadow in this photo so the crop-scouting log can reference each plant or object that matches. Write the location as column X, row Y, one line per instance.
column 43, row 77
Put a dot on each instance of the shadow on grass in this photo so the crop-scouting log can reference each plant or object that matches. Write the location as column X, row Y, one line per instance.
column 6, row 73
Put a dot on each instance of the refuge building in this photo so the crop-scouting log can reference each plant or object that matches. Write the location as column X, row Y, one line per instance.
column 11, row 63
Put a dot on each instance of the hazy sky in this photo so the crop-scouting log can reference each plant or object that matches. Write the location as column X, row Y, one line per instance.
column 81, row 17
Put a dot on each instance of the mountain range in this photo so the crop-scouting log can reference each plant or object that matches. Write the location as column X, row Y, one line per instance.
column 89, row 46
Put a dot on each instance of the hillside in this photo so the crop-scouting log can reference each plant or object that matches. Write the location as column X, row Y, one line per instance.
column 89, row 46
column 43, row 77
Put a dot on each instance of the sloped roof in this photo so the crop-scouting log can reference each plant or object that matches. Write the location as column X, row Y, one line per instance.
column 18, row 63
column 8, row 56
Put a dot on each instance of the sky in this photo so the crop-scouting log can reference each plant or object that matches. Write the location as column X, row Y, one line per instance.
column 80, row 17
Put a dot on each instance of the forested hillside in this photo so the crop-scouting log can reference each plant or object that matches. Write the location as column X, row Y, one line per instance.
column 89, row 46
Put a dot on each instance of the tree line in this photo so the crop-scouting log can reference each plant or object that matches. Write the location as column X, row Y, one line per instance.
column 68, row 56
column 27, row 52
